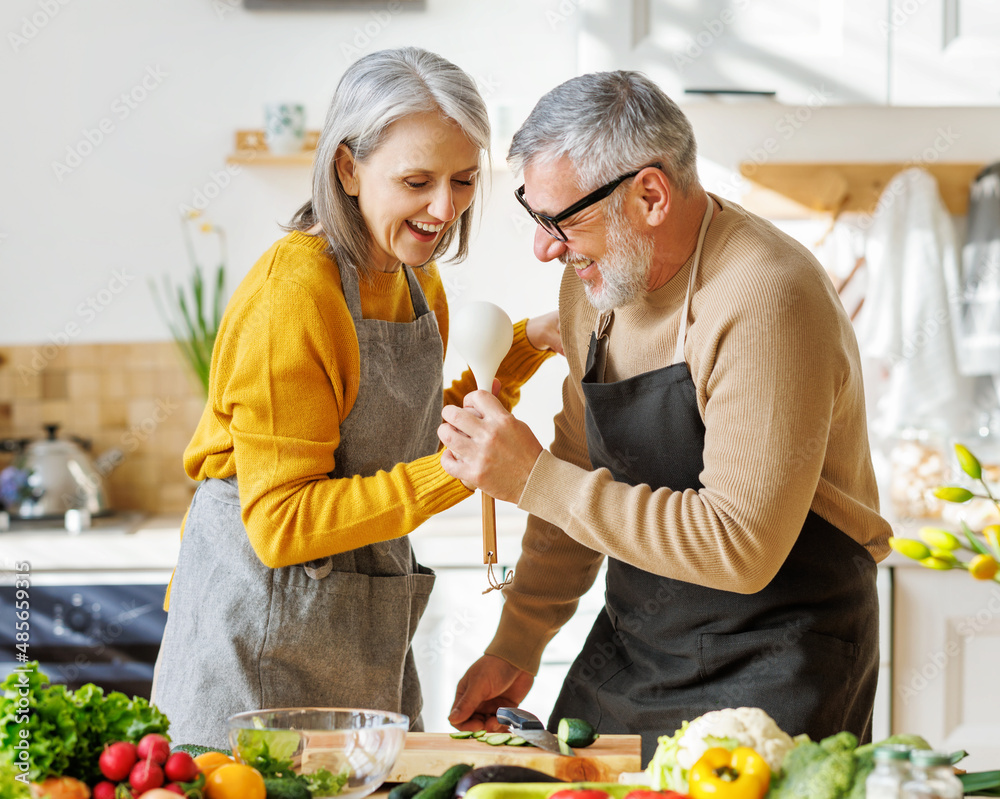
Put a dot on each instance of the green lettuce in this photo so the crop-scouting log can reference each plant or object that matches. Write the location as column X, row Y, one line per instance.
column 66, row 730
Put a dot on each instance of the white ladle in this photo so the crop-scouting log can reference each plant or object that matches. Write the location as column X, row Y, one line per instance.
column 482, row 333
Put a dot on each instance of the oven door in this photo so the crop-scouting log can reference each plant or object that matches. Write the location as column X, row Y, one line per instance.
column 83, row 627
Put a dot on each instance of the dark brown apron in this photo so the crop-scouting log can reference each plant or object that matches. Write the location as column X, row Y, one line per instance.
column 662, row 651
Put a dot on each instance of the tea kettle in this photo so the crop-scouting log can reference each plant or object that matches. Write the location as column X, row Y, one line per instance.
column 53, row 475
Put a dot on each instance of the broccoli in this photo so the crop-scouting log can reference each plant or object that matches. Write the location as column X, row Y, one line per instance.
column 823, row 770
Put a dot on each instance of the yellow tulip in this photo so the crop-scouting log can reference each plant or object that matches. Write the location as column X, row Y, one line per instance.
column 984, row 567
column 937, row 563
column 910, row 547
column 953, row 494
column 942, row 539
column 969, row 463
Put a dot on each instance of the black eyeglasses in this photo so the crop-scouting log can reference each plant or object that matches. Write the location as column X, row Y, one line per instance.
column 550, row 224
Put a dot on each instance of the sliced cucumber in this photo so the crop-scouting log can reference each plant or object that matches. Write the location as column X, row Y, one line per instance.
column 497, row 738
column 462, row 734
column 576, row 732
column 479, row 734
column 517, row 740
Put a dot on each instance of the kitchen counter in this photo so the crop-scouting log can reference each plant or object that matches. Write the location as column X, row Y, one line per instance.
column 449, row 540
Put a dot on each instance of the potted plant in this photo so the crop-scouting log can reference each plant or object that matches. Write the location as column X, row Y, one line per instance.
column 194, row 320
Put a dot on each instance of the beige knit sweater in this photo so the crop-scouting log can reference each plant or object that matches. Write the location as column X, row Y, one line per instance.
column 776, row 367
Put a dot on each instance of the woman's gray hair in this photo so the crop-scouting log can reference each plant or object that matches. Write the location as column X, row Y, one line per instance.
column 607, row 124
column 375, row 91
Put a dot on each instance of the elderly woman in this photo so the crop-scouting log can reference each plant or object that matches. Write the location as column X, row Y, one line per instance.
column 317, row 451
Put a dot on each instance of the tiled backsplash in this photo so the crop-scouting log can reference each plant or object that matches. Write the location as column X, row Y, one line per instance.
column 139, row 398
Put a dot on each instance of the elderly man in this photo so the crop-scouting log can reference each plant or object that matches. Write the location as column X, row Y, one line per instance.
column 712, row 446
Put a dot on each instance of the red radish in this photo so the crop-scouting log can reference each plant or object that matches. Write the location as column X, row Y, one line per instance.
column 103, row 790
column 116, row 760
column 145, row 776
column 173, row 786
column 180, row 767
column 154, row 747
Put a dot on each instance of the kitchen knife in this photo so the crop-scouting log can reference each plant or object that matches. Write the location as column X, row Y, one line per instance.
column 521, row 722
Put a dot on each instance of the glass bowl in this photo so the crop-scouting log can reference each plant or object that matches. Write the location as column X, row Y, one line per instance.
column 344, row 752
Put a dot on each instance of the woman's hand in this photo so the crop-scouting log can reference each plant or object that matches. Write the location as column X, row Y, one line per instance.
column 543, row 332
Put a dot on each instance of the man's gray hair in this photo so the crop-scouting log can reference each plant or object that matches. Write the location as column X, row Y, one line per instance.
column 607, row 124
column 375, row 91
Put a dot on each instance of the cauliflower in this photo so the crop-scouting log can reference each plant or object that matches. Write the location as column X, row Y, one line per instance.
column 729, row 728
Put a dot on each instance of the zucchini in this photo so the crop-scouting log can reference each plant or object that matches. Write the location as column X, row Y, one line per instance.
column 498, row 772
column 542, row 790
column 497, row 738
column 462, row 734
column 576, row 732
column 444, row 786
column 424, row 780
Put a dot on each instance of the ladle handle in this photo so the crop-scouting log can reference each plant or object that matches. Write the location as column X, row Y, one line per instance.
column 489, row 529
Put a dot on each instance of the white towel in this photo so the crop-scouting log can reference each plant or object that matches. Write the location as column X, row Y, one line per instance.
column 906, row 324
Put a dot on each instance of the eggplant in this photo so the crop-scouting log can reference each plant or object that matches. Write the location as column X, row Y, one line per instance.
column 501, row 773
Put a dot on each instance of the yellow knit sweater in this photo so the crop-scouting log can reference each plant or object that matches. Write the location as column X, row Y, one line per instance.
column 285, row 373
column 777, row 375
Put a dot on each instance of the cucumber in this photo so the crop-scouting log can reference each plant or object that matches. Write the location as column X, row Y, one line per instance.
column 194, row 749
column 479, row 733
column 444, row 786
column 576, row 732
column 497, row 738
column 517, row 740
column 462, row 734
column 498, row 772
column 407, row 790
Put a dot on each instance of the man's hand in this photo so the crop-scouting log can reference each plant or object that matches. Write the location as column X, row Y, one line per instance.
column 490, row 682
column 487, row 447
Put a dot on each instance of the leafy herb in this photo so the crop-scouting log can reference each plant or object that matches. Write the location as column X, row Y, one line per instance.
column 272, row 753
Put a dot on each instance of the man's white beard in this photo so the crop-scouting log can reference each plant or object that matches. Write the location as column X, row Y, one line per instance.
column 625, row 267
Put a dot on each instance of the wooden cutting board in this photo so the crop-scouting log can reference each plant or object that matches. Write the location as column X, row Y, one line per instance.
column 434, row 752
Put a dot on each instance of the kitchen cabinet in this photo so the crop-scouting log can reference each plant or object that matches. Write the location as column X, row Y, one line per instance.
column 946, row 647
column 827, row 52
column 945, row 52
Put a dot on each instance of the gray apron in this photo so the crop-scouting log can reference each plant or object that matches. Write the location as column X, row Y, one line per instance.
column 662, row 651
column 331, row 633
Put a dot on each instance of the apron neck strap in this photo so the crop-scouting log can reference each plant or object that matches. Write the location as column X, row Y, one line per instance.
column 682, row 331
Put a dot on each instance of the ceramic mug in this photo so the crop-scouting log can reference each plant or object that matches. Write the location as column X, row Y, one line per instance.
column 284, row 127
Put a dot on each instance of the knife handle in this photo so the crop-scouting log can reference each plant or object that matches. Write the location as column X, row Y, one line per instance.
column 521, row 719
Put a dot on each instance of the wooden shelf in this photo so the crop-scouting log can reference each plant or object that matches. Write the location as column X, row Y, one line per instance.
column 801, row 190
column 251, row 148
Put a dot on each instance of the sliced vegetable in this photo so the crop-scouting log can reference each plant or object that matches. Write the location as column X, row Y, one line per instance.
column 721, row 774
column 497, row 738
column 517, row 740
column 462, row 734
column 576, row 732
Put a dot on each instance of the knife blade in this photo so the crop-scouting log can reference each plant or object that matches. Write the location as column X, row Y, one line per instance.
column 527, row 725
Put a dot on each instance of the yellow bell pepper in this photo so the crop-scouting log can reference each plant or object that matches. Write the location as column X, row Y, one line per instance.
column 721, row 774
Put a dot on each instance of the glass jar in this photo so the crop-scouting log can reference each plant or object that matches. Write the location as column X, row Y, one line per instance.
column 892, row 769
column 933, row 777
